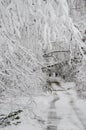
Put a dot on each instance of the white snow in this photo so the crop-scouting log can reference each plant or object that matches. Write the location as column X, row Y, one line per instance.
column 71, row 111
column 27, row 29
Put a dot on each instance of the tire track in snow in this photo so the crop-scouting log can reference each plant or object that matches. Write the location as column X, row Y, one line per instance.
column 52, row 116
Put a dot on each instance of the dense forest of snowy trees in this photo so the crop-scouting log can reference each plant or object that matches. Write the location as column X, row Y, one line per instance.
column 38, row 38
column 31, row 29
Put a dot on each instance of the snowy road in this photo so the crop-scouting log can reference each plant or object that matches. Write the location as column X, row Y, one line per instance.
column 64, row 114
column 60, row 110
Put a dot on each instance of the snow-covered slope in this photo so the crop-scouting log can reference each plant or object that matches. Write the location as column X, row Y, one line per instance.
column 77, row 10
column 37, row 34
column 28, row 29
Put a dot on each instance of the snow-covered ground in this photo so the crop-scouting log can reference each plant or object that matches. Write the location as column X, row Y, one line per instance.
column 30, row 29
column 70, row 111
